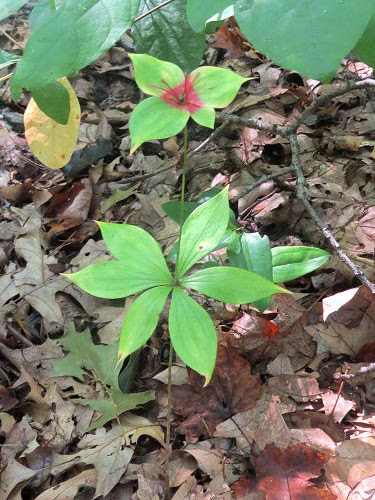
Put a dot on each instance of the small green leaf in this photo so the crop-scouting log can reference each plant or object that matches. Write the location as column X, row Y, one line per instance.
column 192, row 333
column 154, row 119
column 198, row 12
column 116, row 405
column 365, row 48
column 141, row 319
column 54, row 101
column 257, row 257
column 132, row 244
column 9, row 7
column 98, row 363
column 83, row 353
column 202, row 231
column 292, row 262
column 231, row 284
column 42, row 11
column 172, row 209
column 115, row 279
column 204, row 117
column 150, row 73
column 7, row 59
column 216, row 87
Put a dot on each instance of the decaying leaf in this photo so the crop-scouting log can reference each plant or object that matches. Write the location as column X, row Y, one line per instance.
column 52, row 143
column 232, row 389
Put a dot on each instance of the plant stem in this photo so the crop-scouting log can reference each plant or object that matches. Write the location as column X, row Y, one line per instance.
column 170, row 360
column 183, row 182
column 169, row 417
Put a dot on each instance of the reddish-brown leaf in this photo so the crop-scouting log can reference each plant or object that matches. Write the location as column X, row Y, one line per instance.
column 232, row 389
column 230, row 37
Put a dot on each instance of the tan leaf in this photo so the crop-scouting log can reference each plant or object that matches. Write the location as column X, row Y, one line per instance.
column 51, row 142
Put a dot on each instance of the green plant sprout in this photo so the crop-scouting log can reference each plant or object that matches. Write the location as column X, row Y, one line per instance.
column 252, row 251
column 140, row 264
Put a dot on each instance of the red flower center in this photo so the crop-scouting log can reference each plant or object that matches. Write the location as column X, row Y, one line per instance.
column 183, row 96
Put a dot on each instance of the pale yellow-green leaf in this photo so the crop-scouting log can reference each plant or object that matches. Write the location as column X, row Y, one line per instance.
column 52, row 143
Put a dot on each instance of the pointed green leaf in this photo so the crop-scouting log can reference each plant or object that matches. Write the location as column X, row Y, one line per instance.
column 205, row 117
column 173, row 208
column 151, row 71
column 154, row 119
column 132, row 244
column 202, row 231
column 295, row 33
column 166, row 34
column 112, row 407
column 231, row 284
column 198, row 12
column 6, row 59
column 54, row 101
column 292, row 262
column 9, row 7
column 256, row 256
column 115, row 279
column 365, row 48
column 192, row 333
column 216, row 87
column 73, row 37
column 141, row 319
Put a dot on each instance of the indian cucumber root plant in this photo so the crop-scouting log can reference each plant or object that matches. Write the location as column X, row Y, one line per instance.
column 140, row 265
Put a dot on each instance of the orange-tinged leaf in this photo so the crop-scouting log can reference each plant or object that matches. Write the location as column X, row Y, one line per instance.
column 51, row 142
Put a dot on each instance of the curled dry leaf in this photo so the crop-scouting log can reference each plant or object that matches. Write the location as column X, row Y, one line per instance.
column 51, row 142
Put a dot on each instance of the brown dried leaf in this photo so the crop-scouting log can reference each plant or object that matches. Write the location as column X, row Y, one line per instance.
column 349, row 324
column 232, row 389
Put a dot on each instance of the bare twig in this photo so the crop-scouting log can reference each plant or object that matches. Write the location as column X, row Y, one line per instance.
column 362, row 377
column 301, row 195
column 152, row 10
column 172, row 163
column 256, row 123
column 261, row 181
column 291, row 133
column 19, row 336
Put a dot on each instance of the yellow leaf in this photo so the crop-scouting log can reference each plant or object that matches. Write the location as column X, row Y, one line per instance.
column 52, row 143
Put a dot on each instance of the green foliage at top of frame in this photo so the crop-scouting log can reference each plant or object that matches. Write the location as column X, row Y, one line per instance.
column 9, row 7
column 304, row 36
column 167, row 35
column 309, row 37
column 70, row 38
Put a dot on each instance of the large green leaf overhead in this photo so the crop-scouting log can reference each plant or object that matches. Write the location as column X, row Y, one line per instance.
column 9, row 7
column 73, row 37
column 365, row 48
column 166, row 34
column 308, row 36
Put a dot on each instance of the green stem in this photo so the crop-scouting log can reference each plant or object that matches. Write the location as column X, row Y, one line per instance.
column 183, row 183
column 169, row 389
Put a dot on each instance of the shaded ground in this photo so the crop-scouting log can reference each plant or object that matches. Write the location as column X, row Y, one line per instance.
column 275, row 422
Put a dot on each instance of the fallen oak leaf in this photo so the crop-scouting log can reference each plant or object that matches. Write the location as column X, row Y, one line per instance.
column 232, row 389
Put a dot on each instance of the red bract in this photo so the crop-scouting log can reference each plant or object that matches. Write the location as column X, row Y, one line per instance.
column 183, row 96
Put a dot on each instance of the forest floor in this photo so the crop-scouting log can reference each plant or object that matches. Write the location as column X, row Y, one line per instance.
column 277, row 421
